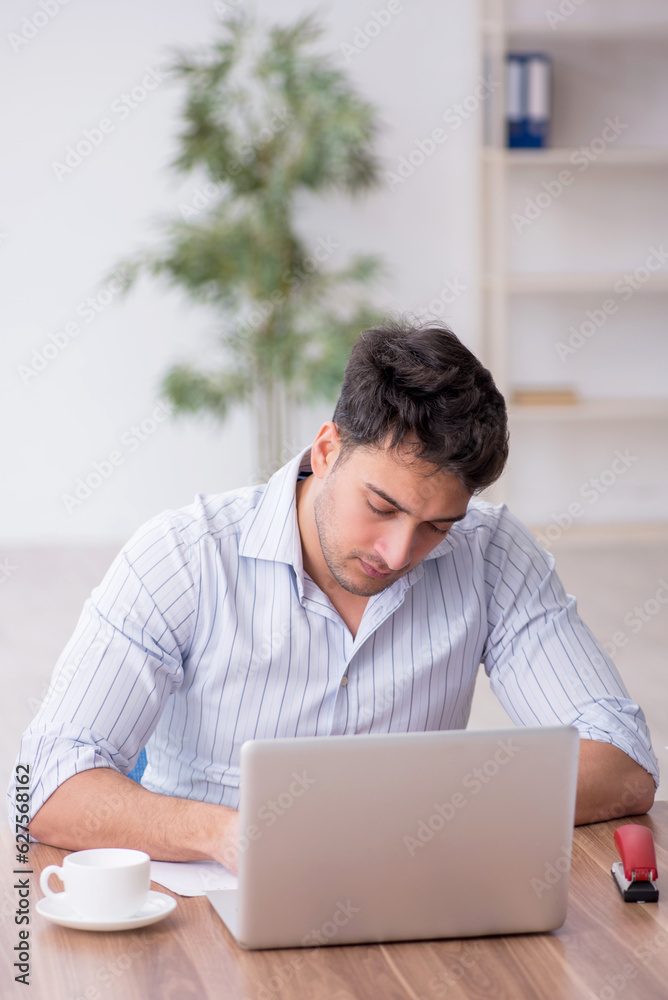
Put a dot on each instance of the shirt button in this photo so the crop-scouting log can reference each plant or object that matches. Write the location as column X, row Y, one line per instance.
column 344, row 681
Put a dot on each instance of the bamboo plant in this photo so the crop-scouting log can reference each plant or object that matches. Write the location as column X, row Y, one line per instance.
column 267, row 121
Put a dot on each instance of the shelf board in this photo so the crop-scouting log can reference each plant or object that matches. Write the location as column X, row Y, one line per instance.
column 575, row 284
column 593, row 409
column 632, row 156
column 595, row 31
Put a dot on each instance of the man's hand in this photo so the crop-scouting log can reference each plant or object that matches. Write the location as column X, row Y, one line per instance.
column 102, row 808
column 610, row 784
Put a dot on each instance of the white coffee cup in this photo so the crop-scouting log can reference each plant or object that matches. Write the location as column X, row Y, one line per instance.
column 106, row 883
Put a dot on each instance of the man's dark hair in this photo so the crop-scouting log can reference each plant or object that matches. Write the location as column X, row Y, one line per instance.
column 419, row 387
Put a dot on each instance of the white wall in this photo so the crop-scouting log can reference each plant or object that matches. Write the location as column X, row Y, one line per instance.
column 61, row 237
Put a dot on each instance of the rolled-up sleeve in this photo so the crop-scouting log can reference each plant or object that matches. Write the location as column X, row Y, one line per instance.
column 125, row 658
column 544, row 664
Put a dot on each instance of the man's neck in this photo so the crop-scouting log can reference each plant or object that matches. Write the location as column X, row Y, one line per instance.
column 349, row 606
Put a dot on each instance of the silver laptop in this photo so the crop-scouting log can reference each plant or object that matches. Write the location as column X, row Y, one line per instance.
column 399, row 837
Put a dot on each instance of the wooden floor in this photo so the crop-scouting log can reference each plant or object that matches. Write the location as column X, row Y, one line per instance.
column 620, row 579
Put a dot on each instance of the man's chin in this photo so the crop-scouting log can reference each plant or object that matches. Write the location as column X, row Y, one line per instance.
column 364, row 585
column 369, row 589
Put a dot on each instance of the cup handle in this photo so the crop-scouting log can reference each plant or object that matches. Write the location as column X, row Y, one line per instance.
column 44, row 879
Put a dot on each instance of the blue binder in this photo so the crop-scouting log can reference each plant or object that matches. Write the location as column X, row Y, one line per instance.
column 528, row 82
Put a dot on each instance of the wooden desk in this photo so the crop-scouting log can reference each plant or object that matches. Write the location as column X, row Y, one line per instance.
column 607, row 949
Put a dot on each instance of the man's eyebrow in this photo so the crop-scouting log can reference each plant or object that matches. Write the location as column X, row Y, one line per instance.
column 388, row 499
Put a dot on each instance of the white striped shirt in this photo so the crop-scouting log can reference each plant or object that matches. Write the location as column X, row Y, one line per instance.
column 206, row 632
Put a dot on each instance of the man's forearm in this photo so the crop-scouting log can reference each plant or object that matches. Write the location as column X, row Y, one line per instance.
column 610, row 784
column 102, row 808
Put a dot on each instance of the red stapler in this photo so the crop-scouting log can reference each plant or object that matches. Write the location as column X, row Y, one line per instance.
column 636, row 872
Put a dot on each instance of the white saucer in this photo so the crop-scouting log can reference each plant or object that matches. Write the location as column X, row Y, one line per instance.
column 58, row 909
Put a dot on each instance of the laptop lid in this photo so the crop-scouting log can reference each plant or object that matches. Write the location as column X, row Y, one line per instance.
column 406, row 836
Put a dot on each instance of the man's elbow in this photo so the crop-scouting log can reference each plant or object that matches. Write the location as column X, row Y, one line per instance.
column 639, row 798
column 610, row 784
column 635, row 790
column 42, row 829
column 74, row 812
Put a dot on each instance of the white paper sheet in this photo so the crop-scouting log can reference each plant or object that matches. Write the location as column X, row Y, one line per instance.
column 192, row 878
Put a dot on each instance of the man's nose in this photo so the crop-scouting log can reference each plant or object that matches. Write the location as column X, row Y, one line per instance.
column 395, row 546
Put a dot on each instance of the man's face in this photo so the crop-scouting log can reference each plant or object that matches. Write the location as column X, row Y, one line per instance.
column 379, row 512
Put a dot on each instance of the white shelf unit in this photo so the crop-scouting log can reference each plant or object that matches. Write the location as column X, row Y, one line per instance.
column 646, row 156
column 597, row 233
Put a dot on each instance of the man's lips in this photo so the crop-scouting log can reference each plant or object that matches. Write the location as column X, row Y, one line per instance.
column 375, row 573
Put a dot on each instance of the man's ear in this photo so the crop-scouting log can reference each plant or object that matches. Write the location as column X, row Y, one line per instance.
column 325, row 449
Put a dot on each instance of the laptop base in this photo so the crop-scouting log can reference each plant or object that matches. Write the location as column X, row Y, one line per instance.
column 226, row 904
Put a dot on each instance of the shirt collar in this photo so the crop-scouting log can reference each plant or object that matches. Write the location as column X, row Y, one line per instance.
column 272, row 532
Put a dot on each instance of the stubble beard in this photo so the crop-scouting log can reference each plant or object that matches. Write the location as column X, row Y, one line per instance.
column 322, row 510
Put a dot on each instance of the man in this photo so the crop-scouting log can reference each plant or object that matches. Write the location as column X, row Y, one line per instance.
column 357, row 591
